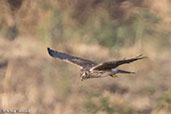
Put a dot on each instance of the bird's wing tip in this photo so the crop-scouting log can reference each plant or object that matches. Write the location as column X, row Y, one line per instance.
column 133, row 73
column 49, row 51
column 48, row 48
column 141, row 56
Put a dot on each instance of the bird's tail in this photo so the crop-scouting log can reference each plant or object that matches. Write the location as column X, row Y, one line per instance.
column 126, row 72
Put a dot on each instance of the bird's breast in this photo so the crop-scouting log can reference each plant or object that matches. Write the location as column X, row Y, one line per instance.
column 98, row 74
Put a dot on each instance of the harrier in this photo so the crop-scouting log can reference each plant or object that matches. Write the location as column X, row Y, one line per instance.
column 90, row 69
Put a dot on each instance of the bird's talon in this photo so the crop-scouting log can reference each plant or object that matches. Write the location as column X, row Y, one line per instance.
column 113, row 76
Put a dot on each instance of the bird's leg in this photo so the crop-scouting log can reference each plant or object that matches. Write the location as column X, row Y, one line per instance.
column 113, row 75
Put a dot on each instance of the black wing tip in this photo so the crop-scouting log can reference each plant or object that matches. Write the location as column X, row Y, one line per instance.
column 141, row 56
column 49, row 51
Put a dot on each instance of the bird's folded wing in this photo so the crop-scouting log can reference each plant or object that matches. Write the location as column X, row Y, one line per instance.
column 68, row 58
column 114, row 64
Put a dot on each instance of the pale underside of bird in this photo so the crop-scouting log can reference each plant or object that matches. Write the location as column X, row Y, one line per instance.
column 90, row 69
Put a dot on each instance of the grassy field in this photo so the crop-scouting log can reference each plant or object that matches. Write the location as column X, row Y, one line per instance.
column 97, row 30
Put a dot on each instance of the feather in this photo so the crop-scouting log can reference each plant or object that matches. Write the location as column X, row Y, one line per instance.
column 71, row 59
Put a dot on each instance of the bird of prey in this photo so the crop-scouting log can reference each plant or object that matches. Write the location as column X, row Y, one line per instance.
column 90, row 69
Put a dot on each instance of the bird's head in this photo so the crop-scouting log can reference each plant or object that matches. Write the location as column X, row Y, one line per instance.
column 84, row 75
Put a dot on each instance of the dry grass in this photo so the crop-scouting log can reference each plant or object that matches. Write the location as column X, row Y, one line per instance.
column 33, row 80
column 97, row 31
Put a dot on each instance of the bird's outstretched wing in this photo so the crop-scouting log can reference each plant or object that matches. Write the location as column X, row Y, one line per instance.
column 68, row 58
column 114, row 64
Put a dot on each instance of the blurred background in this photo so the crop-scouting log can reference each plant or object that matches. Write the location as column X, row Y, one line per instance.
column 99, row 30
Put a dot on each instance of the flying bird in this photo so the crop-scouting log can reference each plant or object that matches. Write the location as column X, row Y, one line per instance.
column 90, row 69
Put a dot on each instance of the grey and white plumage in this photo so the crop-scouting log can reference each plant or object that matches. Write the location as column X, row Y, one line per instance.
column 90, row 69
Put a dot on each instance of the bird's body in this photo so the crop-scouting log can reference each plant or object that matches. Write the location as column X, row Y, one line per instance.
column 90, row 69
column 95, row 74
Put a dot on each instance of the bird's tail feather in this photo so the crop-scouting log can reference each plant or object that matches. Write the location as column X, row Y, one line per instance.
column 126, row 72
